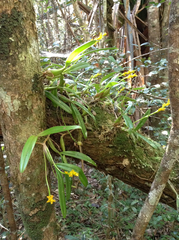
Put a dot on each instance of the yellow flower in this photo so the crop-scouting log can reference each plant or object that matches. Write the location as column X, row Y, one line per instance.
column 131, row 76
column 50, row 199
column 129, row 72
column 96, row 75
column 71, row 173
column 166, row 104
column 100, row 36
column 161, row 109
column 122, row 89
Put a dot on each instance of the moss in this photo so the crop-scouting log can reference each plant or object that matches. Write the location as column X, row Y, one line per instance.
column 9, row 24
column 34, row 224
column 103, row 117
column 37, row 84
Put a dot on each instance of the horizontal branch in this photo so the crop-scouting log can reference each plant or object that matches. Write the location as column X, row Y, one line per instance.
column 134, row 162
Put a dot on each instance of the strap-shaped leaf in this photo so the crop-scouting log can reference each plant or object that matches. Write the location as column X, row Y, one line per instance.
column 128, row 121
column 107, row 76
column 76, row 67
column 85, row 109
column 63, row 98
column 97, row 50
column 77, row 51
column 69, row 167
column 58, row 129
column 48, row 154
column 80, row 120
column 83, row 178
column 143, row 120
column 52, row 146
column 61, row 193
column 26, row 152
column 79, row 155
column 58, row 102
column 149, row 141
column 68, row 182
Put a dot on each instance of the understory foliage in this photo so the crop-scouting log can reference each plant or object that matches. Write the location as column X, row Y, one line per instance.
column 75, row 87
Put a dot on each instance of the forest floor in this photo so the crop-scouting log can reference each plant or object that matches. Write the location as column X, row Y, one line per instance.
column 93, row 215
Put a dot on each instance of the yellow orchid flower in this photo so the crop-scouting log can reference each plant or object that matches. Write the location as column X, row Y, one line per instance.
column 72, row 173
column 50, row 199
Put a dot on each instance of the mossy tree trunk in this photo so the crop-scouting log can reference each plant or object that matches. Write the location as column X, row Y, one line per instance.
column 22, row 113
column 116, row 153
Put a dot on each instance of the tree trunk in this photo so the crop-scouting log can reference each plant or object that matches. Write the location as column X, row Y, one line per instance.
column 22, row 114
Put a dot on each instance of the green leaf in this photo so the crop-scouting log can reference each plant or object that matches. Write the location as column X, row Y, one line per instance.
column 128, row 121
column 111, row 84
column 69, row 167
column 57, row 129
column 79, row 155
column 149, row 141
column 26, row 152
column 68, row 181
column 76, row 67
column 52, row 146
column 58, row 102
column 85, row 109
column 77, row 51
column 63, row 98
column 99, row 49
column 177, row 202
column 107, row 76
column 54, row 92
column 125, row 99
column 48, row 154
column 80, row 120
column 143, row 120
column 61, row 193
column 139, row 88
column 83, row 178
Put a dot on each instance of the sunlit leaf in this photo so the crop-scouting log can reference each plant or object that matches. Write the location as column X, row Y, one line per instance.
column 80, row 120
column 97, row 50
column 58, row 102
column 77, row 51
column 177, row 202
column 58, row 129
column 76, row 67
column 79, row 155
column 26, row 152
column 111, row 84
column 107, row 76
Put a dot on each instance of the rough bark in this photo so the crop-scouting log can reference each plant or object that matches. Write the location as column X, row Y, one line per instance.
column 22, row 113
column 7, row 199
column 172, row 151
column 154, row 37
